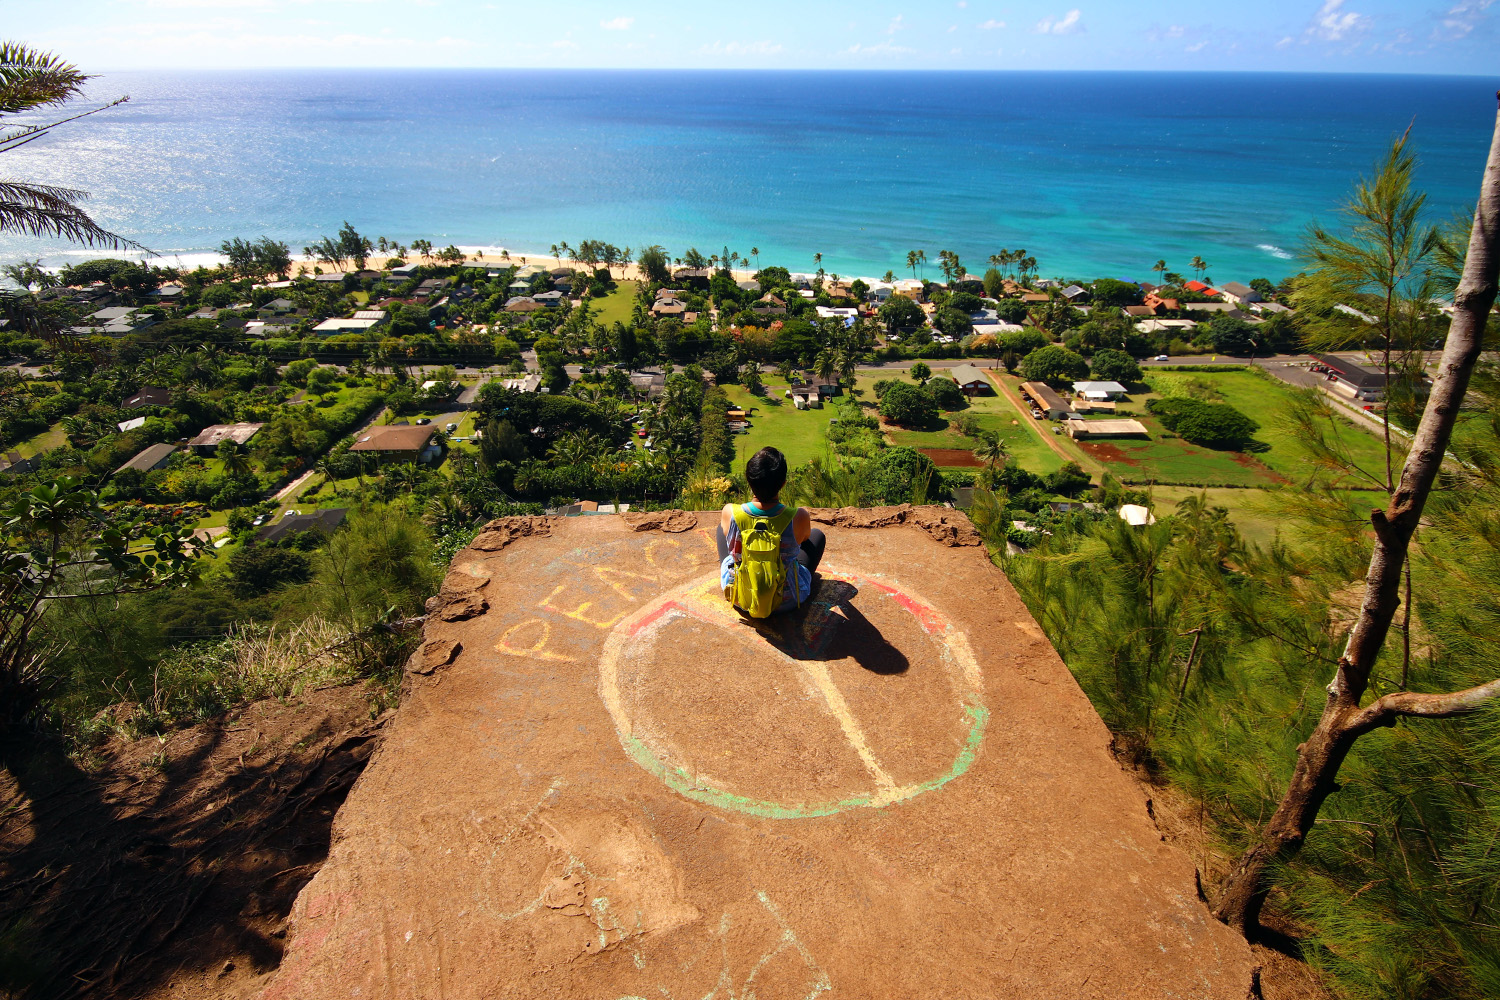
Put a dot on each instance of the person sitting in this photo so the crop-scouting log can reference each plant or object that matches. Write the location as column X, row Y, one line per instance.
column 767, row 551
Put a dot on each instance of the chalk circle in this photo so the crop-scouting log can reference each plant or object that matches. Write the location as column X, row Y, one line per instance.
column 704, row 602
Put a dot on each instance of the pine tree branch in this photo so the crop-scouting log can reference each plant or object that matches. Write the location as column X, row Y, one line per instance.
column 1384, row 711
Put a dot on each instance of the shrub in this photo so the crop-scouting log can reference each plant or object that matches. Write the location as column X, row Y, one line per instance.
column 1053, row 364
column 903, row 475
column 1212, row 425
column 908, row 405
column 946, row 394
column 1111, row 365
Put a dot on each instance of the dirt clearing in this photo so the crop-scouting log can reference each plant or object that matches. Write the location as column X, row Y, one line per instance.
column 602, row 784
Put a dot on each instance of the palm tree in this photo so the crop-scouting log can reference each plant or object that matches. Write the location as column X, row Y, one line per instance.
column 818, row 260
column 236, row 462
column 922, row 260
column 755, row 254
column 826, row 365
column 990, row 450
column 1200, row 265
column 911, row 262
column 1160, row 267
column 31, row 79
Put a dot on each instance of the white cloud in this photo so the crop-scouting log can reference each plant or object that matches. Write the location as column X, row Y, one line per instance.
column 1462, row 18
column 1195, row 47
column 741, row 49
column 1285, row 42
column 1333, row 24
column 896, row 24
column 1070, row 23
column 991, row 25
column 617, row 24
column 883, row 49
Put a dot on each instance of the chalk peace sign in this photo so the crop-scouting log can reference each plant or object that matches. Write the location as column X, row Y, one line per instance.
column 868, row 697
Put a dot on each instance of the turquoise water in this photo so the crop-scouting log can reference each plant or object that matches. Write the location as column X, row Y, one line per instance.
column 1093, row 173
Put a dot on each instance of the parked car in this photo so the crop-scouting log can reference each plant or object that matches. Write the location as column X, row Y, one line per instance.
column 423, row 421
column 1161, row 357
column 451, row 428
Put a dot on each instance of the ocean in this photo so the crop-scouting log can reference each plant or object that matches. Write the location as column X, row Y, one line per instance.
column 1094, row 174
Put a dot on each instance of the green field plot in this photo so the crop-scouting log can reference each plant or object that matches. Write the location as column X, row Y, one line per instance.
column 774, row 421
column 52, row 437
column 617, row 306
column 1168, row 459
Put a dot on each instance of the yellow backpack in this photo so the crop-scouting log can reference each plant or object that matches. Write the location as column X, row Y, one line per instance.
column 760, row 579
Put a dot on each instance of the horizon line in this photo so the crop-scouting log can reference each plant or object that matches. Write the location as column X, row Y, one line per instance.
column 863, row 71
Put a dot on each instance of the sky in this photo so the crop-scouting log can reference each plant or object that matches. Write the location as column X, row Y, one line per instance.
column 1370, row 36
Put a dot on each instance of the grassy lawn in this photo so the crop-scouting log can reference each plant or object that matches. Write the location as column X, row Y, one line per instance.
column 1164, row 458
column 775, row 421
column 616, row 306
column 52, row 437
column 1256, row 525
column 1022, row 437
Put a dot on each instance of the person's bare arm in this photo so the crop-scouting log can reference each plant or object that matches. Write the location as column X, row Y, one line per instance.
column 726, row 518
column 801, row 525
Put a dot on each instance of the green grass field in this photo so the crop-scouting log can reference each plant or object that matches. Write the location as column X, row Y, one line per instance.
column 1022, row 437
column 52, row 437
column 1171, row 460
column 616, row 306
column 775, row 421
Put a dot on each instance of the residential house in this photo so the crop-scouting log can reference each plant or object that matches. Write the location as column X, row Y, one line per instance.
column 330, row 327
column 149, row 395
column 1240, row 294
column 405, row 271
column 150, row 459
column 848, row 315
column 550, row 300
column 881, row 291
column 329, row 279
column 1270, row 307
column 1099, row 390
column 768, row 305
column 1075, row 294
column 1159, row 305
column 169, row 293
column 13, row 464
column 1035, row 298
column 971, row 380
column 1357, row 314
column 377, row 316
column 523, row 304
column 1166, row 325
column 325, row 521
column 278, row 307
column 528, row 383
column 1140, row 312
column 748, row 286
column 208, row 440
column 117, row 321
column 398, row 443
column 131, row 424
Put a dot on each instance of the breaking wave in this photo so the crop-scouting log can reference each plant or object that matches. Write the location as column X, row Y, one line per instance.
column 1274, row 251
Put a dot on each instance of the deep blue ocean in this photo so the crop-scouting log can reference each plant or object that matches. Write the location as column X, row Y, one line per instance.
column 1093, row 173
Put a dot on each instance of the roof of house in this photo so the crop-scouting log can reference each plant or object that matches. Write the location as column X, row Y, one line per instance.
column 394, row 438
column 1139, row 311
column 1238, row 289
column 332, row 325
column 149, row 395
column 1099, row 387
column 1106, row 428
column 968, row 375
column 1044, row 394
column 378, row 315
column 292, row 524
column 523, row 303
column 112, row 313
column 1355, row 374
column 148, row 458
column 212, row 437
column 1074, row 291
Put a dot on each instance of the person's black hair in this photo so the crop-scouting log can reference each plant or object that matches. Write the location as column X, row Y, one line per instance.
column 766, row 473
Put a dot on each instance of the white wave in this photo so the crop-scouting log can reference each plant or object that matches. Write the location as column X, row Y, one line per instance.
column 1274, row 251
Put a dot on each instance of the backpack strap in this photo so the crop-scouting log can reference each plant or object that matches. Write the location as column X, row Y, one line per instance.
column 778, row 521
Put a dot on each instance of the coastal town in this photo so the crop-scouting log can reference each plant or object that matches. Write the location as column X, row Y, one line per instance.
column 230, row 396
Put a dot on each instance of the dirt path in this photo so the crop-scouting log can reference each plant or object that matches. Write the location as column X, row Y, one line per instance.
column 601, row 784
column 1089, row 465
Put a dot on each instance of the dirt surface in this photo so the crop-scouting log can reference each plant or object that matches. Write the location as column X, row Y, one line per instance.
column 167, row 868
column 1105, row 452
column 608, row 786
column 952, row 458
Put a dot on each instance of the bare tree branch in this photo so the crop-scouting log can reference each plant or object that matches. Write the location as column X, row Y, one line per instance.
column 1385, row 711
